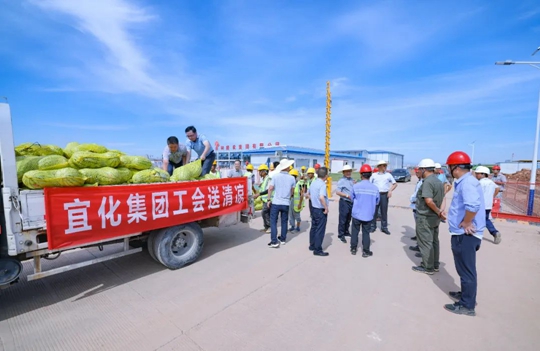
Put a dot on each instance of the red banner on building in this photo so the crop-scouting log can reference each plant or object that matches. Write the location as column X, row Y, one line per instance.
column 81, row 216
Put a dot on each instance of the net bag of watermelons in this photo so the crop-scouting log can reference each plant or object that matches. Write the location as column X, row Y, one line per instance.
column 64, row 177
column 70, row 149
column 87, row 159
column 155, row 175
column 51, row 162
column 25, row 164
column 120, row 153
column 96, row 148
column 135, row 162
column 35, row 149
column 188, row 172
column 106, row 175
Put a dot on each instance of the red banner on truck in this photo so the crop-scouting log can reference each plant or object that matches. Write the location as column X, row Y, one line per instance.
column 81, row 216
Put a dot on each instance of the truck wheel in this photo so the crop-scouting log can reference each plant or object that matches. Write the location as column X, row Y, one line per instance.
column 178, row 246
column 150, row 244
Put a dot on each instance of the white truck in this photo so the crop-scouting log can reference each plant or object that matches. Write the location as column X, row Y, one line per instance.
column 37, row 224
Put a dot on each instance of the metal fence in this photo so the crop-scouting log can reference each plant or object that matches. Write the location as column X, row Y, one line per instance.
column 515, row 198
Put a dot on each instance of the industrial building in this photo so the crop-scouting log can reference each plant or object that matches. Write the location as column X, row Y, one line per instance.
column 394, row 160
column 302, row 156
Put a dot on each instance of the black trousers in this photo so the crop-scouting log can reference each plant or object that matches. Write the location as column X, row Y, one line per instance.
column 366, row 239
column 345, row 215
column 383, row 207
column 266, row 215
column 318, row 229
column 464, row 248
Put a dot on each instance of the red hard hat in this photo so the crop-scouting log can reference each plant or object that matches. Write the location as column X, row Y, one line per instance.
column 458, row 158
column 497, row 167
column 416, row 169
column 366, row 169
column 317, row 166
column 376, row 169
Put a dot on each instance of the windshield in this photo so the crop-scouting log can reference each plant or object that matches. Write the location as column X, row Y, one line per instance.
column 399, row 171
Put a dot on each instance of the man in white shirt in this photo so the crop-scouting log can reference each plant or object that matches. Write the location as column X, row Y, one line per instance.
column 490, row 190
column 386, row 183
column 280, row 191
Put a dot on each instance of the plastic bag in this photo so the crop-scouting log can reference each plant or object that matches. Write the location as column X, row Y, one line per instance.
column 57, row 178
column 86, row 159
column 48, row 163
column 155, row 175
column 70, row 149
column 135, row 162
column 35, row 149
column 25, row 164
column 96, row 148
column 106, row 175
column 190, row 171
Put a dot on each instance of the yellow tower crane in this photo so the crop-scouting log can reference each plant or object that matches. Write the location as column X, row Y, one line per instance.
column 327, row 141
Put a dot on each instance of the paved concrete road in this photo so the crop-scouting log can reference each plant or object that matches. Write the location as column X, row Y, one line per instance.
column 241, row 295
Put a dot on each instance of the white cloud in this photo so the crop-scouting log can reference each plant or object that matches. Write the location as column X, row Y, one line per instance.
column 125, row 67
column 290, row 99
column 100, row 127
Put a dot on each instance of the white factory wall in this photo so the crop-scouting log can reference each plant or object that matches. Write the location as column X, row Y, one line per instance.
column 513, row 167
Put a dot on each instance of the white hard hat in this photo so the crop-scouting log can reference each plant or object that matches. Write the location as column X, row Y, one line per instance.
column 426, row 163
column 437, row 165
column 346, row 168
column 382, row 162
column 481, row 169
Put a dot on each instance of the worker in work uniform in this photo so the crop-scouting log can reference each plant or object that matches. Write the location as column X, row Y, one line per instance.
column 499, row 179
column 214, row 171
column 310, row 179
column 297, row 202
column 251, row 187
column 174, row 155
column 428, row 217
column 303, row 174
column 447, row 186
column 316, row 167
column 365, row 197
column 263, row 193
column 467, row 221
column 490, row 190
column 202, row 147
column 319, row 214
column 413, row 198
column 282, row 184
column 386, row 184
column 344, row 191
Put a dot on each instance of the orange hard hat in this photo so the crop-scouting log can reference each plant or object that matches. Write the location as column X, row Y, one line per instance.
column 366, row 169
column 317, row 166
column 458, row 158
column 496, row 167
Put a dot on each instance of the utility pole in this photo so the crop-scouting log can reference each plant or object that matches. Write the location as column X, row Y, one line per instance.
column 327, row 141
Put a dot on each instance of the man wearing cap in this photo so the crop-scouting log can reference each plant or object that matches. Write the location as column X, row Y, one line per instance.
column 499, row 179
column 344, row 191
column 490, row 190
column 297, row 202
column 316, row 167
column 303, row 174
column 263, row 193
column 214, row 171
column 466, row 221
column 386, row 183
column 428, row 217
column 280, row 191
column 365, row 197
column 319, row 214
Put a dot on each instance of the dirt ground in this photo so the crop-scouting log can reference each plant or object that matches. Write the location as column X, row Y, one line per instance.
column 241, row 295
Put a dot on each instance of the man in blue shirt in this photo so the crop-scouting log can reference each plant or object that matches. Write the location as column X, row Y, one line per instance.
column 319, row 212
column 467, row 221
column 202, row 147
column 344, row 190
column 365, row 197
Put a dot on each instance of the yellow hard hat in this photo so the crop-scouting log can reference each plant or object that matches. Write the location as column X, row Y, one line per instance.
column 271, row 166
column 303, row 167
column 294, row 172
column 311, row 170
column 263, row 167
column 214, row 163
column 249, row 167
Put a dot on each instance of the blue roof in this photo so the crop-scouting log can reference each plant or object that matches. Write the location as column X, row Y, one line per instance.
column 383, row 152
column 299, row 150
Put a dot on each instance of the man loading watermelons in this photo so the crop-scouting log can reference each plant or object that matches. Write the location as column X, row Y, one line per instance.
column 202, row 147
column 174, row 155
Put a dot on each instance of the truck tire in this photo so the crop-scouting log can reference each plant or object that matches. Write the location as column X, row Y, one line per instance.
column 150, row 244
column 178, row 246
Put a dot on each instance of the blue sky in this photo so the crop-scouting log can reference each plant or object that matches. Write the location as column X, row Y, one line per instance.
column 415, row 77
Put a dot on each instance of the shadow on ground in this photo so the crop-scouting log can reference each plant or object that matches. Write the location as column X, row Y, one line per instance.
column 442, row 279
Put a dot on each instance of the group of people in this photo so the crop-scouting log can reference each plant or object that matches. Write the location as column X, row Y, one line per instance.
column 285, row 192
